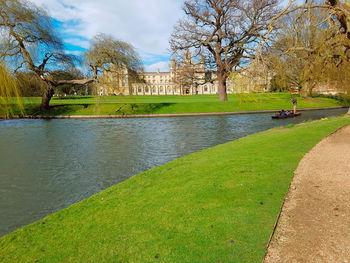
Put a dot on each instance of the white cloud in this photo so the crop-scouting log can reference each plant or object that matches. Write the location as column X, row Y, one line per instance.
column 77, row 42
column 146, row 24
column 75, row 52
column 161, row 66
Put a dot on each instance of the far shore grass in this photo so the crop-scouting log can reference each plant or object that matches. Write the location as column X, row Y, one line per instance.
column 217, row 205
column 125, row 105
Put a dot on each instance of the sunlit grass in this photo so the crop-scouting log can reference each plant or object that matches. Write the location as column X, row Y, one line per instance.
column 217, row 205
column 124, row 105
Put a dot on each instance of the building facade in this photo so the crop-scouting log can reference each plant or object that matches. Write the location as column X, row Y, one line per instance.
column 184, row 78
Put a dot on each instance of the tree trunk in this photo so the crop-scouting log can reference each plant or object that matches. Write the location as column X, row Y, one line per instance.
column 222, row 86
column 304, row 92
column 45, row 101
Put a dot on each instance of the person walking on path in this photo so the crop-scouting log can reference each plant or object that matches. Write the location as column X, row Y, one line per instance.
column 294, row 101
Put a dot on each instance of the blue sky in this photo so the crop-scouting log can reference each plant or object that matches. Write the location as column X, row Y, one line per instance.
column 146, row 24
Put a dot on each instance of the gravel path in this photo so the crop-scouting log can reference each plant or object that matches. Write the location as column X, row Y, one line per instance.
column 315, row 222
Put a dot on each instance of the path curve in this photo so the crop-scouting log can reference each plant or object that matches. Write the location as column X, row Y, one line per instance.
column 315, row 221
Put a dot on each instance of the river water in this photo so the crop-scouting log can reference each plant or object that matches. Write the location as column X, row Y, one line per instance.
column 47, row 165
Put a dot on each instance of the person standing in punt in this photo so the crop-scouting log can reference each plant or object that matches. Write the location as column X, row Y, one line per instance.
column 294, row 101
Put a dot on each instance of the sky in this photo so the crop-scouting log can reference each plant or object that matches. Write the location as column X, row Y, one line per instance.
column 146, row 24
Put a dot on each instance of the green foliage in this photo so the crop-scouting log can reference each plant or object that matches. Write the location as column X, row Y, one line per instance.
column 342, row 98
column 308, row 52
column 8, row 91
column 279, row 84
column 291, row 125
column 217, row 205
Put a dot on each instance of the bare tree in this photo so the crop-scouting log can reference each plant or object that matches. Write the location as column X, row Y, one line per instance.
column 339, row 9
column 29, row 41
column 226, row 30
column 190, row 75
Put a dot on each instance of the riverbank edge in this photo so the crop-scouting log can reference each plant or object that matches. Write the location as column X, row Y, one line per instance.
column 133, row 116
column 112, row 188
column 278, row 221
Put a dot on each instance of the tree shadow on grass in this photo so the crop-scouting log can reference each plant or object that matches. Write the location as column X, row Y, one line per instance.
column 73, row 98
column 34, row 110
column 141, row 108
column 93, row 109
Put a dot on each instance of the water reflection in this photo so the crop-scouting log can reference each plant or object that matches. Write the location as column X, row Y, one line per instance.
column 47, row 165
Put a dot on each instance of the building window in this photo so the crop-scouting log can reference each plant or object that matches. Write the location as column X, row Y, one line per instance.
column 205, row 89
column 161, row 89
column 139, row 90
column 146, row 89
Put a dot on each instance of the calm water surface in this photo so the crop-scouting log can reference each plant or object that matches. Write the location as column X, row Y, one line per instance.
column 46, row 165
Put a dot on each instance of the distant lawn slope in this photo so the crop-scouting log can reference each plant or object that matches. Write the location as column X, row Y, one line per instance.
column 217, row 205
column 124, row 105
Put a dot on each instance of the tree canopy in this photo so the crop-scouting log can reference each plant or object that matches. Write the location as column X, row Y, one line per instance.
column 105, row 52
column 224, row 30
column 29, row 41
column 311, row 47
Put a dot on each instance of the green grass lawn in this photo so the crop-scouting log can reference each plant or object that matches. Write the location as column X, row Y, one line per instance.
column 111, row 105
column 217, row 205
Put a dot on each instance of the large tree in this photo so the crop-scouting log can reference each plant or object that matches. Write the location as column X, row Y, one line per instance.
column 300, row 51
column 336, row 12
column 113, row 57
column 226, row 31
column 313, row 44
column 191, row 75
column 106, row 51
column 29, row 41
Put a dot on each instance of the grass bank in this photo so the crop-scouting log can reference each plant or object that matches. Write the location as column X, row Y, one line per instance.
column 124, row 105
column 217, row 205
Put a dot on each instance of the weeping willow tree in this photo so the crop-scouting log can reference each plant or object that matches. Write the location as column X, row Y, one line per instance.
column 9, row 94
column 29, row 41
column 115, row 63
column 308, row 53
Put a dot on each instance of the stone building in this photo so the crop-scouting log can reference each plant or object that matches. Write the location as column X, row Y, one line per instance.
column 184, row 78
